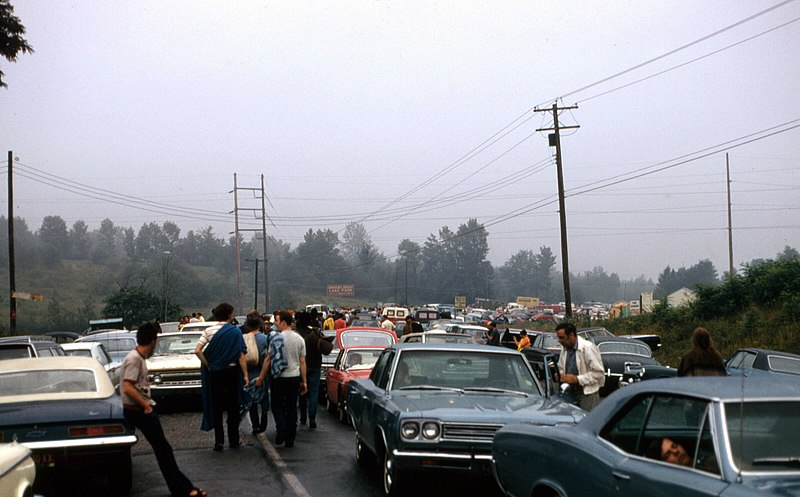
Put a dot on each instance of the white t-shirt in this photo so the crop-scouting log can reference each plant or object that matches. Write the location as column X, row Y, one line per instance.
column 294, row 349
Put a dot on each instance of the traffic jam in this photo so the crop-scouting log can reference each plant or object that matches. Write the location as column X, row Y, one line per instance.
column 399, row 394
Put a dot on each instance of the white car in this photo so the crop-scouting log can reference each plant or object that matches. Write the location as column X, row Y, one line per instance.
column 98, row 351
column 477, row 332
column 173, row 368
column 438, row 336
column 17, row 470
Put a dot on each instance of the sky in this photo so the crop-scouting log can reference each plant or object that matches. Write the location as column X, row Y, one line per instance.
column 414, row 115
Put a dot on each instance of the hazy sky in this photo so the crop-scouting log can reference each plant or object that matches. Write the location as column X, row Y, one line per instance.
column 380, row 112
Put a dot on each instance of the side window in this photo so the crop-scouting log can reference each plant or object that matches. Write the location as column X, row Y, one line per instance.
column 383, row 379
column 625, row 428
column 676, row 431
column 380, row 365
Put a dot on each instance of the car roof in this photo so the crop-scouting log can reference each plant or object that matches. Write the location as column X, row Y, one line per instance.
column 767, row 352
column 179, row 334
column 105, row 387
column 466, row 347
column 87, row 345
column 723, row 388
column 106, row 335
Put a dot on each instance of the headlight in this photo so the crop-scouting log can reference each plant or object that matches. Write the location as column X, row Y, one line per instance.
column 430, row 430
column 410, row 430
column 156, row 379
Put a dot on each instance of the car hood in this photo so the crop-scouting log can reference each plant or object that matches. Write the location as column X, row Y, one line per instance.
column 58, row 412
column 173, row 361
column 501, row 408
column 788, row 485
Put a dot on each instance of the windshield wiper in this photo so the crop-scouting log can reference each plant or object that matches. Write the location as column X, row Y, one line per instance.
column 493, row 389
column 431, row 387
column 777, row 461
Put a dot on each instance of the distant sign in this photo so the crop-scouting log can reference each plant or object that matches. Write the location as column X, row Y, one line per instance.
column 528, row 301
column 340, row 290
column 460, row 302
column 27, row 296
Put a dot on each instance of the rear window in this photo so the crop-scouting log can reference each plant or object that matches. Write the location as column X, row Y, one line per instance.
column 783, row 364
column 50, row 381
column 764, row 435
column 20, row 351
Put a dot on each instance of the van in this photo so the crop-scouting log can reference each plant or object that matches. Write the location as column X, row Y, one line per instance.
column 394, row 314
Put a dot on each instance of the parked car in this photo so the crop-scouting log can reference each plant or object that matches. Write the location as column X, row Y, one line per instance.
column 117, row 343
column 200, row 325
column 17, row 470
column 351, row 363
column 327, row 362
column 63, row 336
column 19, row 347
column 425, row 316
column 477, row 332
column 636, row 373
column 652, row 341
column 174, row 369
column 66, row 411
column 724, row 437
column 437, row 336
column 436, row 407
column 97, row 351
column 754, row 362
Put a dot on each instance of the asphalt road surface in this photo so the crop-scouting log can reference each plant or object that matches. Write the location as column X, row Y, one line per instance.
column 322, row 463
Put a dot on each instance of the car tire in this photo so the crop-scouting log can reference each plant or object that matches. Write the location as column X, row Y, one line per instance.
column 341, row 412
column 120, row 480
column 363, row 455
column 393, row 478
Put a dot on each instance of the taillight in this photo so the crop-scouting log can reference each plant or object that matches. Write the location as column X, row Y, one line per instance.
column 95, row 431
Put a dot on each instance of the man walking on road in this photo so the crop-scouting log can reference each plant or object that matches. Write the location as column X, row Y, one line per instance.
column 138, row 411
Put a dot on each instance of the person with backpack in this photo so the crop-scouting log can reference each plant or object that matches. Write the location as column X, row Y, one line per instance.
column 257, row 343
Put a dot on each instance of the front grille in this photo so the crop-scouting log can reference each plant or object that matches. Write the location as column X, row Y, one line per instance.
column 178, row 378
column 465, row 432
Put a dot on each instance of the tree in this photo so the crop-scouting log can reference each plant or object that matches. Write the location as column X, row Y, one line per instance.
column 356, row 242
column 54, row 236
column 11, row 40
column 136, row 306
column 79, row 240
column 107, row 238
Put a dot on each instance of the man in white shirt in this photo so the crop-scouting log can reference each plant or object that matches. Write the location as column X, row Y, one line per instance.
column 290, row 384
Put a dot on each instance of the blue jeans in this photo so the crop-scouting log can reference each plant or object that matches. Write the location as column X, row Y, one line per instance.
column 310, row 400
column 150, row 425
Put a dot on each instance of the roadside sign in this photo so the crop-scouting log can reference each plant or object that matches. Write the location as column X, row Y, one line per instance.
column 460, row 302
column 529, row 302
column 27, row 296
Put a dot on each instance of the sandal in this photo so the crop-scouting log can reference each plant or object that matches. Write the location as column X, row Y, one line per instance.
column 198, row 492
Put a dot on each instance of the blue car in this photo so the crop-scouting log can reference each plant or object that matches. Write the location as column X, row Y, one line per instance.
column 709, row 436
column 758, row 362
column 436, row 407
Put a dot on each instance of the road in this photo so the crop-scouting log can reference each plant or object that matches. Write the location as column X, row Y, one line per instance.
column 322, row 463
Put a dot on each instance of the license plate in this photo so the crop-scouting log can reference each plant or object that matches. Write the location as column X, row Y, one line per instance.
column 44, row 459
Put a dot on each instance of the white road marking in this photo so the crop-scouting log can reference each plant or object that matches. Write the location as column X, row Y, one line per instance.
column 283, row 468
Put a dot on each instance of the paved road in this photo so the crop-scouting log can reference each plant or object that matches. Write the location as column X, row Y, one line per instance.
column 322, row 463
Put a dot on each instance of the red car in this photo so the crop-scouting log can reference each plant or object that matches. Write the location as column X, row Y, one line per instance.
column 359, row 348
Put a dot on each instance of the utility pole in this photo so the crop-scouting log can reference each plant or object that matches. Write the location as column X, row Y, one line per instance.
column 11, row 275
column 262, row 229
column 255, row 286
column 555, row 141
column 730, row 223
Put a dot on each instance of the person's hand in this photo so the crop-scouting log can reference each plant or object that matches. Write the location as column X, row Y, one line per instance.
column 258, row 382
column 246, row 381
column 569, row 378
column 148, row 409
column 303, row 387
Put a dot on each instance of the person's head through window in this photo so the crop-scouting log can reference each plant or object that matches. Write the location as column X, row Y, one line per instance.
column 353, row 360
column 403, row 377
column 667, row 450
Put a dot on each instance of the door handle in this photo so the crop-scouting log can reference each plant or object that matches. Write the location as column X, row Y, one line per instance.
column 620, row 476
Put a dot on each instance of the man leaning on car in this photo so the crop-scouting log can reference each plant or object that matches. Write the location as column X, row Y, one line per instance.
column 581, row 368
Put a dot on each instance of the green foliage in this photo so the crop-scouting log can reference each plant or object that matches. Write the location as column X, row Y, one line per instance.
column 136, row 306
column 11, row 40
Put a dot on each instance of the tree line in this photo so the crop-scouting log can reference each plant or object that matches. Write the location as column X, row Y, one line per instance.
column 193, row 271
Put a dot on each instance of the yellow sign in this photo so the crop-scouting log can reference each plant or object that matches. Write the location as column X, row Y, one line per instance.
column 528, row 301
column 27, row 296
column 460, row 302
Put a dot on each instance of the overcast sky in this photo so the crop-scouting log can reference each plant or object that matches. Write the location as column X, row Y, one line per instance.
column 380, row 112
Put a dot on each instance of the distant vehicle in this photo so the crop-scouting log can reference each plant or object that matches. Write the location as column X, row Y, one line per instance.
column 711, row 436
column 762, row 362
column 117, row 343
column 174, row 369
column 63, row 336
column 394, row 314
column 97, row 351
column 20, row 347
column 322, row 309
column 200, row 326
column 66, row 411
column 170, row 327
column 437, row 336
column 425, row 316
column 99, row 325
column 478, row 333
column 17, row 470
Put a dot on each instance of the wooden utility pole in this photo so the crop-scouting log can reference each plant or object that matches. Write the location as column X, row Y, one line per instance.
column 730, row 222
column 255, row 286
column 555, row 141
column 262, row 229
column 11, row 275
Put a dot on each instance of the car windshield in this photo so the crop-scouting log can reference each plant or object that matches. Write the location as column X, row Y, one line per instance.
column 764, row 435
column 550, row 342
column 449, row 338
column 47, row 381
column 355, row 338
column 116, row 344
column 623, row 348
column 15, row 351
column 176, row 344
column 463, row 370
column 361, row 359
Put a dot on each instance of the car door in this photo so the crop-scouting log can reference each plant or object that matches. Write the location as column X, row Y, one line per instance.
column 682, row 420
column 376, row 397
column 361, row 393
